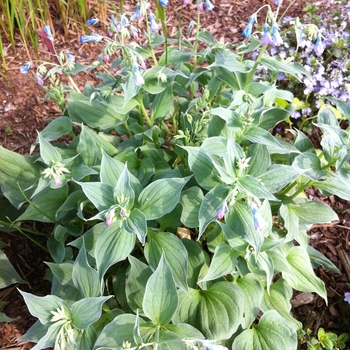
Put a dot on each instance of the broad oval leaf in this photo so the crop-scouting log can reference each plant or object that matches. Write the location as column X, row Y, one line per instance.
column 216, row 312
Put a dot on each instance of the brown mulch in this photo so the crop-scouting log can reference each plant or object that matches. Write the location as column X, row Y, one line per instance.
column 22, row 113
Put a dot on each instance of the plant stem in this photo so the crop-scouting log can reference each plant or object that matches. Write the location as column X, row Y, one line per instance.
column 143, row 109
column 258, row 60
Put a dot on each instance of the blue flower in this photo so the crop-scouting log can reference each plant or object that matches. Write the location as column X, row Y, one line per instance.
column 276, row 36
column 247, row 32
column 47, row 30
column 92, row 21
column 208, row 5
column 259, row 222
column 153, row 24
column 319, row 47
column 347, row 297
column 25, row 68
column 277, row 2
column 266, row 37
column 164, row 3
column 70, row 56
column 136, row 14
column 88, row 38
column 138, row 79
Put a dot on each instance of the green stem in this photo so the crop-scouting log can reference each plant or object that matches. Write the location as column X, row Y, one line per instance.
column 301, row 189
column 195, row 49
column 75, row 87
column 12, row 225
column 148, row 37
column 258, row 60
column 143, row 109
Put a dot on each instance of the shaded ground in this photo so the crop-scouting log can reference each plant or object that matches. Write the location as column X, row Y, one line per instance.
column 22, row 112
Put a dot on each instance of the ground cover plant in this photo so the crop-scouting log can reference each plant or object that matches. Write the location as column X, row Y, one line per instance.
column 180, row 221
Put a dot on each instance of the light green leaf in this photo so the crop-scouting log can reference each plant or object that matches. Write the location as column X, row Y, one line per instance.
column 191, row 200
column 99, row 194
column 318, row 259
column 223, row 262
column 136, row 224
column 306, row 280
column 231, row 63
column 57, row 128
column 315, row 212
column 333, row 185
column 278, row 176
column 272, row 332
column 136, row 280
column 41, row 307
column 109, row 338
column 159, row 243
column 48, row 202
column 255, row 187
column 8, row 275
column 202, row 167
column 63, row 272
column 253, row 295
column 87, row 311
column 216, row 312
column 311, row 164
column 113, row 244
column 161, row 197
column 84, row 277
column 48, row 153
column 212, row 202
column 279, row 299
column 259, row 161
column 160, row 300
column 17, row 172
column 162, row 103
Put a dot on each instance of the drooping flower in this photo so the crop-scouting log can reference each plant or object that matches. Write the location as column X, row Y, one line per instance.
column 247, row 32
column 47, row 30
column 221, row 212
column 266, row 37
column 200, row 6
column 208, row 5
column 209, row 345
column 259, row 222
column 106, row 58
column 92, row 21
column 318, row 47
column 278, row 2
column 39, row 79
column 138, row 79
column 163, row 3
column 110, row 217
column 153, row 24
column 90, row 38
column 276, row 36
column 137, row 13
column 25, row 68
column 186, row 2
column 70, row 56
column 347, row 297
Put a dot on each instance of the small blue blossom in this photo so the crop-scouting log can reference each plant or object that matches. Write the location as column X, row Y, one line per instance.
column 209, row 345
column 319, row 47
column 70, row 56
column 347, row 297
column 92, row 21
column 266, row 37
column 278, row 2
column 47, row 30
column 88, row 38
column 138, row 79
column 247, row 32
column 259, row 223
column 153, row 24
column 163, row 3
column 208, row 5
column 136, row 14
column 25, row 68
column 276, row 36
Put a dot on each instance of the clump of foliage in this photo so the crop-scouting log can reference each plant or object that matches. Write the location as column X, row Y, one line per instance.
column 179, row 220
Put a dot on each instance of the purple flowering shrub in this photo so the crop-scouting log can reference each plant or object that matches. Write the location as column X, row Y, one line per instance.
column 175, row 210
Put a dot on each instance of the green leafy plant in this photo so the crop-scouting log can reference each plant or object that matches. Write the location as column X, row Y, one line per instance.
column 179, row 220
column 326, row 340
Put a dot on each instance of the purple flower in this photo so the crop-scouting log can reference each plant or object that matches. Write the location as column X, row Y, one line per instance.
column 153, row 24
column 88, row 38
column 163, row 3
column 266, row 37
column 278, row 2
column 106, row 58
column 39, row 79
column 276, row 36
column 247, row 32
column 47, row 30
column 92, row 21
column 221, row 212
column 208, row 5
column 200, row 6
column 138, row 79
column 347, row 297
column 186, row 2
column 25, row 68
column 136, row 14
column 318, row 47
column 57, row 181
column 259, row 223
column 110, row 216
